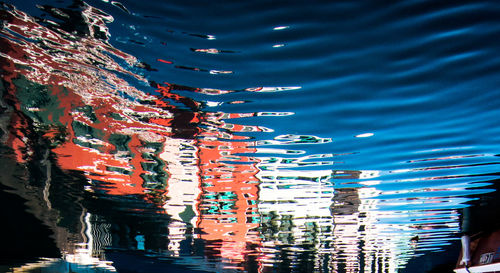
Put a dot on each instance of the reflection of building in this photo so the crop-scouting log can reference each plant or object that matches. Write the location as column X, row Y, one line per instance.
column 180, row 158
column 361, row 244
column 63, row 113
column 80, row 114
column 229, row 217
column 125, row 143
column 162, row 155
column 295, row 208
column 371, row 234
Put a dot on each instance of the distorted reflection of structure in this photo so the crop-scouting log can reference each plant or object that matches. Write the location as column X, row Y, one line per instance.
column 110, row 166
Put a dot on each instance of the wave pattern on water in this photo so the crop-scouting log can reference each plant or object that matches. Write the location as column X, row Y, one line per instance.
column 313, row 141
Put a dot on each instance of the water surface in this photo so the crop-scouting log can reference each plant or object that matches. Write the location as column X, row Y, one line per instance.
column 250, row 136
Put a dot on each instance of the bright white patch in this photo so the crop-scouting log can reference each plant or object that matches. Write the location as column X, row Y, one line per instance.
column 281, row 27
column 279, row 45
column 365, row 135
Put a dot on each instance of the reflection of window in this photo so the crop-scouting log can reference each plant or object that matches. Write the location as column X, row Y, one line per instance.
column 222, row 195
column 253, row 220
column 226, row 206
column 252, row 213
column 221, row 208
column 227, row 220
column 221, row 203
column 248, row 195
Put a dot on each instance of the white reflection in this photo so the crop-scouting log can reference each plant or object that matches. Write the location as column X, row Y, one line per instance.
column 281, row 27
column 365, row 135
column 183, row 189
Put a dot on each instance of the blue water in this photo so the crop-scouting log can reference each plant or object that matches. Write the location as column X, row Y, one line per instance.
column 371, row 130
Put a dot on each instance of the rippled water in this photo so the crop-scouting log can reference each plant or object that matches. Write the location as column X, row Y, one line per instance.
column 249, row 136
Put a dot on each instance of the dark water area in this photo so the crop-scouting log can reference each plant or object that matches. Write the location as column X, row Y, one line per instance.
column 247, row 136
column 36, row 240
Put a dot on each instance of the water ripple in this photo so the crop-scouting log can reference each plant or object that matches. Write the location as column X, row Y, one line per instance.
column 341, row 137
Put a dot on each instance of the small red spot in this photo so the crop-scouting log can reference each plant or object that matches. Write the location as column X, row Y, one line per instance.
column 163, row 61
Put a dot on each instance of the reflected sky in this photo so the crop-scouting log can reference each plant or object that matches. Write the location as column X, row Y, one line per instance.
column 123, row 163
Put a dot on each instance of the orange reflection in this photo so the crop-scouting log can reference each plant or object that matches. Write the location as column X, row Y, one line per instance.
column 126, row 142
column 230, row 191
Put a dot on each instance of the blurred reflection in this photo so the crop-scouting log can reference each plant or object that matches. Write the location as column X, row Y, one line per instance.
column 65, row 111
column 109, row 167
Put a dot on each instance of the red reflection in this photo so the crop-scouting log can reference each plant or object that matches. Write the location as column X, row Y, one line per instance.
column 62, row 93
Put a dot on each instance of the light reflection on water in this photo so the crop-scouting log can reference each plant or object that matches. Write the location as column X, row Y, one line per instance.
column 162, row 173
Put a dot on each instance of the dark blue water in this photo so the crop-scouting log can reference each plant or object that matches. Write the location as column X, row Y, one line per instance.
column 256, row 136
